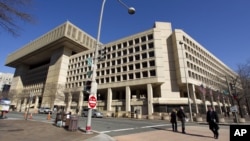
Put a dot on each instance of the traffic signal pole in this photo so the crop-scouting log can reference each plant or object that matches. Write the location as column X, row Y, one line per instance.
column 93, row 90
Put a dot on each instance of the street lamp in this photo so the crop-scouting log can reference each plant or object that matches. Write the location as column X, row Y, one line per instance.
column 93, row 89
column 189, row 104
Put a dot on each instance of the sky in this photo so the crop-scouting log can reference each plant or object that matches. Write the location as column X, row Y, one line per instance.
column 221, row 26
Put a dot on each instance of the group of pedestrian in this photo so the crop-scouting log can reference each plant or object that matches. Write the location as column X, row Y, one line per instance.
column 211, row 118
column 180, row 114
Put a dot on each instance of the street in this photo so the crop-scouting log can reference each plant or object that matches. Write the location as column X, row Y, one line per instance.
column 111, row 126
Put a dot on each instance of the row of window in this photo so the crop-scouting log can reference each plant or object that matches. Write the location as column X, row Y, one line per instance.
column 81, row 73
column 132, row 43
column 117, row 78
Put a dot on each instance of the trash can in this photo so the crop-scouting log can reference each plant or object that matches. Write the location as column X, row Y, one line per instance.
column 73, row 123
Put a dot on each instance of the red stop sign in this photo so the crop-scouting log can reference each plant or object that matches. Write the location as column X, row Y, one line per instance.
column 92, row 102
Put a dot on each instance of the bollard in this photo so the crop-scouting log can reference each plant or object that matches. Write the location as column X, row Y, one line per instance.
column 48, row 116
column 30, row 117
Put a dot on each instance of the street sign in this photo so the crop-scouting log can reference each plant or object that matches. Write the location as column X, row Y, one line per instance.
column 89, row 61
column 234, row 109
column 92, row 102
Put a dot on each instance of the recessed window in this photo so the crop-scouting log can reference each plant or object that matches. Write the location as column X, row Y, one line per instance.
column 143, row 47
column 131, row 76
column 138, row 75
column 137, row 41
column 137, row 57
column 124, row 52
column 124, row 60
column 152, row 63
column 137, row 66
column 131, row 67
column 152, row 73
column 130, row 42
column 151, row 54
column 150, row 36
column 143, row 38
column 145, row 74
column 151, row 45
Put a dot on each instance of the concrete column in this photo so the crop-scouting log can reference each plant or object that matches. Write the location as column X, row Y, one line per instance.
column 224, row 104
column 150, row 99
column 193, row 97
column 211, row 98
column 80, row 102
column 218, row 102
column 128, row 99
column 69, row 102
column 36, row 104
column 24, row 105
column 204, row 101
column 109, row 100
column 19, row 105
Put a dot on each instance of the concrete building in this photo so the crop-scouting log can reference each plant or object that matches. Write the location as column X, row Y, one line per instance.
column 5, row 82
column 152, row 71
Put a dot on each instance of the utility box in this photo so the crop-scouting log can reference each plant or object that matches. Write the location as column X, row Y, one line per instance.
column 73, row 123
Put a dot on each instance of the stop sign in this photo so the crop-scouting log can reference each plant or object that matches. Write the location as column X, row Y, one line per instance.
column 92, row 102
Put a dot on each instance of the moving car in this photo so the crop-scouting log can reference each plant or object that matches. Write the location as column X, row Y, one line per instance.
column 44, row 110
column 95, row 113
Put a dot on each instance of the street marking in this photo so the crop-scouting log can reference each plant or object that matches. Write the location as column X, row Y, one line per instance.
column 125, row 129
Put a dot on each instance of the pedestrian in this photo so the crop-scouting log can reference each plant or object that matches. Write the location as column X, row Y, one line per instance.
column 212, row 119
column 182, row 117
column 173, row 120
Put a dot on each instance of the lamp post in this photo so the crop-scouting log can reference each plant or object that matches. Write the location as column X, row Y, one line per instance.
column 189, row 103
column 93, row 89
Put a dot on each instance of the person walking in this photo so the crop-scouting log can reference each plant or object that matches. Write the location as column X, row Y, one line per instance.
column 182, row 117
column 173, row 120
column 212, row 119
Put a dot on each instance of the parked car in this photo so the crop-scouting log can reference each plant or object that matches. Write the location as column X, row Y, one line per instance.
column 44, row 110
column 95, row 113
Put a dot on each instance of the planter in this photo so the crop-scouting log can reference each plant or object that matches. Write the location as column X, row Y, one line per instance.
column 198, row 119
column 221, row 120
column 242, row 120
column 150, row 117
column 166, row 118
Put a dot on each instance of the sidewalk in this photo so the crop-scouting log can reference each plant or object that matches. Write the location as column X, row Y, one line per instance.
column 20, row 130
column 193, row 133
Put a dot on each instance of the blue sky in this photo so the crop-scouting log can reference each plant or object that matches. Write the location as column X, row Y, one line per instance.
column 221, row 26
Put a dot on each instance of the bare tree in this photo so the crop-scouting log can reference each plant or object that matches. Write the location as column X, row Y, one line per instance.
column 244, row 76
column 11, row 11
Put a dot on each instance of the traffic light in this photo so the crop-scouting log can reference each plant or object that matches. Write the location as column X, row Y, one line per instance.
column 87, row 86
column 232, row 86
column 102, row 53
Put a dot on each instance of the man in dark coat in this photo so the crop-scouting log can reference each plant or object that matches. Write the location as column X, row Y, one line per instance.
column 212, row 119
column 182, row 117
column 173, row 120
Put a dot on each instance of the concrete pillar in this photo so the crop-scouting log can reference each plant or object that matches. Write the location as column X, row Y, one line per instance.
column 218, row 102
column 128, row 99
column 204, row 101
column 211, row 98
column 193, row 97
column 69, row 102
column 150, row 99
column 23, row 109
column 19, row 105
column 109, row 100
column 80, row 102
column 224, row 104
column 36, row 104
